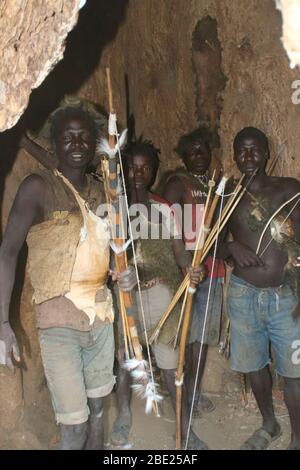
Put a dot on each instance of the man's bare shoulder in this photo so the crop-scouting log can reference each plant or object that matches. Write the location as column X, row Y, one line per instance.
column 33, row 182
column 31, row 192
column 175, row 179
column 173, row 189
column 27, row 210
column 286, row 185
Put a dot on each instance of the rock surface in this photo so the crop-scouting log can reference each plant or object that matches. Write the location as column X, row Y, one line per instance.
column 167, row 73
column 32, row 42
column 290, row 10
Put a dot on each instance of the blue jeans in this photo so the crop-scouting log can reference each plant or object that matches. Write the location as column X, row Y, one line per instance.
column 214, row 309
column 78, row 365
column 259, row 316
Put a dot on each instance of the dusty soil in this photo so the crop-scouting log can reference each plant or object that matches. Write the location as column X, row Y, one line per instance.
column 227, row 427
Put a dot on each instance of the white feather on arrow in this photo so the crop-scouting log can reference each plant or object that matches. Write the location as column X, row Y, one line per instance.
column 119, row 248
column 149, row 393
column 131, row 364
column 138, row 374
column 103, row 146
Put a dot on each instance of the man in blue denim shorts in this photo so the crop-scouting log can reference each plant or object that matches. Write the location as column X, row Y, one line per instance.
column 262, row 299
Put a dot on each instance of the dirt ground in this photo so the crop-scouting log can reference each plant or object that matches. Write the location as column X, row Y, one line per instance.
column 227, row 427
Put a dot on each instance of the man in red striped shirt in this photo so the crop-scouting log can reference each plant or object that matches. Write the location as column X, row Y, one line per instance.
column 189, row 188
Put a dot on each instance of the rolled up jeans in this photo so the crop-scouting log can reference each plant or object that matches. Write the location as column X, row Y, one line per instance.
column 78, row 365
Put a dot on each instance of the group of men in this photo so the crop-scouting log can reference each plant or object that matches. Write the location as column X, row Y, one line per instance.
column 69, row 264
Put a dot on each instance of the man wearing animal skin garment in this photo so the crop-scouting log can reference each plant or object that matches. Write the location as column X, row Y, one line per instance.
column 68, row 263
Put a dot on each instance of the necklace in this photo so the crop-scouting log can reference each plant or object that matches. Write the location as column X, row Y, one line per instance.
column 203, row 179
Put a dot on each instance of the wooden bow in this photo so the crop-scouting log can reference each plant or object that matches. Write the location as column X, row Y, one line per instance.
column 191, row 289
column 135, row 362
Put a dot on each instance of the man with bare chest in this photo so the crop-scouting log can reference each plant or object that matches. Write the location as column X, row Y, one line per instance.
column 261, row 304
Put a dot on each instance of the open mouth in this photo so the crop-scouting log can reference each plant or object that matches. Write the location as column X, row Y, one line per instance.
column 77, row 156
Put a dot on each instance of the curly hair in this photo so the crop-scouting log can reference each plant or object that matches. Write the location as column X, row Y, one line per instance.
column 187, row 142
column 252, row 132
column 71, row 111
column 143, row 147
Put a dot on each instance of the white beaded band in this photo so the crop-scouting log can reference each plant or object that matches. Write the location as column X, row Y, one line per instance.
column 191, row 290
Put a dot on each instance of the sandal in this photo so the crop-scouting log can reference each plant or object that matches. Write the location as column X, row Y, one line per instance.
column 203, row 405
column 260, row 440
column 194, row 443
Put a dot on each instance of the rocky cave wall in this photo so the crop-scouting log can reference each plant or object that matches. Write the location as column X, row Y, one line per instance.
column 186, row 64
column 32, row 42
column 182, row 75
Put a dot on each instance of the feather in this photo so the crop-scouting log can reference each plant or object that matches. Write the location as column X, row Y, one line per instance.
column 120, row 189
column 122, row 139
column 130, row 364
column 138, row 374
column 103, row 145
column 155, row 336
column 119, row 249
column 221, row 187
column 148, row 392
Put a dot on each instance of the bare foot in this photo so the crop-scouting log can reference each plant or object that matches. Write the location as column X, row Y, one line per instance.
column 121, row 428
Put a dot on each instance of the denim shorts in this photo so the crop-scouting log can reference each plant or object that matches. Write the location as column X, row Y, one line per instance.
column 258, row 317
column 78, row 365
column 213, row 320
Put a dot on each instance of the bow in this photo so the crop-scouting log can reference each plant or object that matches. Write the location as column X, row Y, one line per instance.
column 112, row 170
column 207, row 246
column 297, row 195
column 188, row 300
column 229, row 208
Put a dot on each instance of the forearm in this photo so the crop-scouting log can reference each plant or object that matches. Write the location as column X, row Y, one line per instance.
column 224, row 250
column 183, row 257
column 7, row 279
